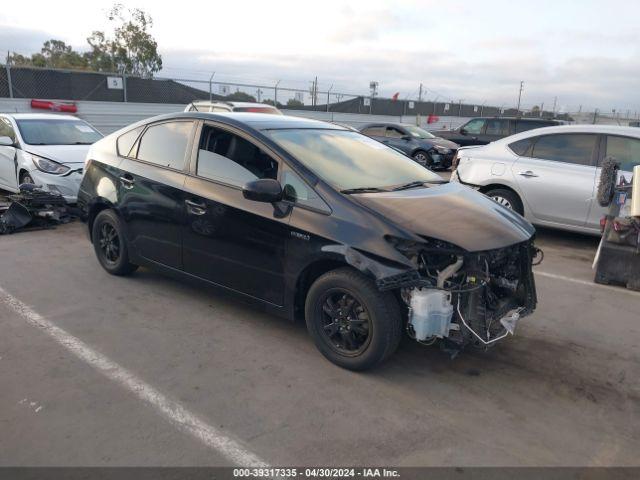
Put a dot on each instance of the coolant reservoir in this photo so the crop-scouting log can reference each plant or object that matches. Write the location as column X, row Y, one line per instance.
column 635, row 193
column 431, row 312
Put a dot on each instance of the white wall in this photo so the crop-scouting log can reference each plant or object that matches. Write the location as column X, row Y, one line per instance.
column 108, row 117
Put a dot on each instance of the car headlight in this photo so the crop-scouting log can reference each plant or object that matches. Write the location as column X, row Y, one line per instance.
column 48, row 166
column 442, row 150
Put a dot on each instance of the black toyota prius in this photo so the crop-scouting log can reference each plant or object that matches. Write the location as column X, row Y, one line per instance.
column 311, row 221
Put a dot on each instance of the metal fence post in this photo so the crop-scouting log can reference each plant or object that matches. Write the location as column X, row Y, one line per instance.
column 124, row 87
column 9, row 80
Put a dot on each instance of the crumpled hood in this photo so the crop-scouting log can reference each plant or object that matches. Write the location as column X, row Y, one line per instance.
column 443, row 142
column 453, row 213
column 65, row 154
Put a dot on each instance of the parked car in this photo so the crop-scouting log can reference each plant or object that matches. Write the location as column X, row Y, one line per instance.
column 425, row 148
column 314, row 221
column 220, row 106
column 483, row 130
column 550, row 175
column 45, row 149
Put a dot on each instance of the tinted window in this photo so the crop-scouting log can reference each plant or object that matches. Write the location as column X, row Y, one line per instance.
column 348, row 160
column 521, row 146
column 296, row 190
column 126, row 141
column 474, row 126
column 165, row 144
column 498, row 127
column 6, row 130
column 626, row 150
column 394, row 133
column 523, row 125
column 374, row 131
column 568, row 148
column 231, row 159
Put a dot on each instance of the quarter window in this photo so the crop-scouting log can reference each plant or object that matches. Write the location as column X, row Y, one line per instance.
column 625, row 150
column 394, row 133
column 126, row 141
column 520, row 147
column 165, row 144
column 574, row 148
column 474, row 126
column 231, row 159
column 296, row 190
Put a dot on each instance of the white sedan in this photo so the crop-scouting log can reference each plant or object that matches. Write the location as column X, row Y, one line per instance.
column 46, row 149
column 550, row 175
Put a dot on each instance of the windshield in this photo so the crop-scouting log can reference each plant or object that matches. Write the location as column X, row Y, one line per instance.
column 349, row 160
column 52, row 131
column 418, row 132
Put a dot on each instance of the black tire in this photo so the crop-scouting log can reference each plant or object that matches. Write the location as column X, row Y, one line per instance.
column 25, row 177
column 423, row 158
column 374, row 314
column 608, row 177
column 506, row 198
column 110, row 244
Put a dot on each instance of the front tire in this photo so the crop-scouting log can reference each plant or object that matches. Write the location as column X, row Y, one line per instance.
column 352, row 323
column 110, row 244
column 506, row 198
column 422, row 158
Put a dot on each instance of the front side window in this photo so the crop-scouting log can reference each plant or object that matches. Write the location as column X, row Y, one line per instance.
column 165, row 144
column 474, row 126
column 574, row 148
column 53, row 131
column 497, row 127
column 374, row 131
column 625, row 150
column 6, row 129
column 418, row 132
column 348, row 160
column 231, row 159
column 393, row 132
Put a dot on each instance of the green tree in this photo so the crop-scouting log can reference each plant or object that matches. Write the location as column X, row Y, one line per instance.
column 292, row 102
column 54, row 54
column 240, row 97
column 131, row 49
column 268, row 101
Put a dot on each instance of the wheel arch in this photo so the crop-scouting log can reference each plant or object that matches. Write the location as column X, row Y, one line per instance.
column 97, row 206
column 308, row 276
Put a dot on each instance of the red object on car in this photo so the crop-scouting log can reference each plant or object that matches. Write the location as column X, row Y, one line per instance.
column 432, row 118
column 56, row 107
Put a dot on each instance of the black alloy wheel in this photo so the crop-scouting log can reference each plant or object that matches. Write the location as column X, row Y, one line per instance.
column 346, row 325
column 110, row 244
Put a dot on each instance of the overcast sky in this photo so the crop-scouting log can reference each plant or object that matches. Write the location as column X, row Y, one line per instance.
column 584, row 52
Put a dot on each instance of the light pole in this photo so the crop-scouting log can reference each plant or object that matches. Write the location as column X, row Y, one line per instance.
column 519, row 97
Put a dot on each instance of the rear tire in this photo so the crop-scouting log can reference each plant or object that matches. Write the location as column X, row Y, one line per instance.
column 506, row 198
column 352, row 323
column 110, row 244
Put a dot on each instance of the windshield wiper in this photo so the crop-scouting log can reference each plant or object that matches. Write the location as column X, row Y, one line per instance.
column 417, row 183
column 363, row 190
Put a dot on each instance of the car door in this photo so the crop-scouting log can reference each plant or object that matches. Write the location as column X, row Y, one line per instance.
column 470, row 133
column 150, row 195
column 8, row 162
column 227, row 239
column 626, row 150
column 399, row 139
column 556, row 177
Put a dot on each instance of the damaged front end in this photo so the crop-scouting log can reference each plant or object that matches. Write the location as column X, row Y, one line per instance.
column 465, row 297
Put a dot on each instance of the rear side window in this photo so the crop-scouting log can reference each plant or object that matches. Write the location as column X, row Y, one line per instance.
column 497, row 127
column 520, row 147
column 125, row 142
column 393, row 132
column 574, row 148
column 626, row 150
column 374, row 131
column 231, row 159
column 165, row 144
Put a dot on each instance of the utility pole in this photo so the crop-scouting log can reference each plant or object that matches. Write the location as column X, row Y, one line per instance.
column 419, row 103
column 460, row 107
column 258, row 93
column 328, row 93
column 519, row 97
column 275, row 93
column 374, row 91
column 555, row 101
column 541, row 109
column 210, row 92
column 420, row 93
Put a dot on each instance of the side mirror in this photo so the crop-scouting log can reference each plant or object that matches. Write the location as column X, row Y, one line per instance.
column 6, row 142
column 407, row 137
column 265, row 190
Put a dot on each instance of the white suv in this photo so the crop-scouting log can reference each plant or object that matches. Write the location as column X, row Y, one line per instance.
column 46, row 149
column 550, row 175
column 219, row 106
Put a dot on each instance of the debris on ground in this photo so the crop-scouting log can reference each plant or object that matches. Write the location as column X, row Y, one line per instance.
column 33, row 209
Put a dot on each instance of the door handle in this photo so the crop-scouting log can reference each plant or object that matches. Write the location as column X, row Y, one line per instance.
column 195, row 207
column 528, row 174
column 127, row 182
